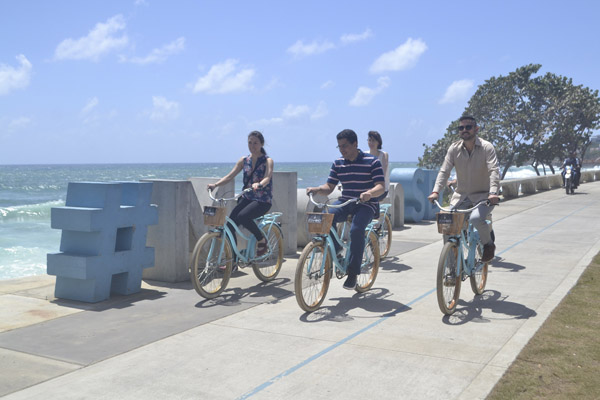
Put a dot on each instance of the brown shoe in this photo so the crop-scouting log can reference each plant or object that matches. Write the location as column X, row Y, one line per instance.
column 488, row 252
column 261, row 248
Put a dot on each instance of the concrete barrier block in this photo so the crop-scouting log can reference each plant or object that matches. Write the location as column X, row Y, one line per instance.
column 528, row 185
column 396, row 199
column 555, row 181
column 597, row 175
column 103, row 249
column 510, row 188
column 285, row 201
column 587, row 176
column 542, row 183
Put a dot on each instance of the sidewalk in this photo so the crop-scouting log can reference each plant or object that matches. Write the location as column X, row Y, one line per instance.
column 166, row 342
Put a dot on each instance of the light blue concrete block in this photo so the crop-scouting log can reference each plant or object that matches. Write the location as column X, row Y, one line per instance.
column 417, row 184
column 103, row 243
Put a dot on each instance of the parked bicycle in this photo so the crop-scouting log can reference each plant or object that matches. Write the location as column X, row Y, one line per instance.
column 216, row 252
column 319, row 259
column 381, row 226
column 460, row 257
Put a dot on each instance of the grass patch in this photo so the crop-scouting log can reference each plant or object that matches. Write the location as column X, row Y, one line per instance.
column 562, row 360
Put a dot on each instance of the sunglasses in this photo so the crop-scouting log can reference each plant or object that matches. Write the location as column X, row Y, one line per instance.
column 465, row 127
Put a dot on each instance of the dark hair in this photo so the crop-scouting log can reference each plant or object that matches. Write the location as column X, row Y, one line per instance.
column 347, row 134
column 469, row 117
column 376, row 136
column 260, row 137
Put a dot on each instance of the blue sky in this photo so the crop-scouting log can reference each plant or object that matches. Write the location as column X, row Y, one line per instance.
column 185, row 81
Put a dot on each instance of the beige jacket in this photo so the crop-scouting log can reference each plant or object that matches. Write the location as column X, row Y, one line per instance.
column 477, row 173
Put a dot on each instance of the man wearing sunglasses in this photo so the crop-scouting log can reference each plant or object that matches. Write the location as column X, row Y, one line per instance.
column 477, row 179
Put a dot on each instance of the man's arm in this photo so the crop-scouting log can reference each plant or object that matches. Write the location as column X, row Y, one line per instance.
column 324, row 189
column 373, row 192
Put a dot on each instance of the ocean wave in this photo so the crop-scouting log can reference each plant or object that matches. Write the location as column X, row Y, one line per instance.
column 39, row 211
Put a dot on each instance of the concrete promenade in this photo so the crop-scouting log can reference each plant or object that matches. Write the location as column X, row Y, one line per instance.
column 254, row 342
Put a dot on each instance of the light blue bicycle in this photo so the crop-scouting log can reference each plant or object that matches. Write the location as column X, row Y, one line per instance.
column 460, row 257
column 318, row 260
column 216, row 252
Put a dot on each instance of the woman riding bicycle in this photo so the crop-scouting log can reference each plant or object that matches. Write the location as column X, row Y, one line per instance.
column 258, row 171
column 375, row 142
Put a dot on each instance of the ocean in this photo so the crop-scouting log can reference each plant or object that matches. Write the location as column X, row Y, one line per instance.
column 28, row 192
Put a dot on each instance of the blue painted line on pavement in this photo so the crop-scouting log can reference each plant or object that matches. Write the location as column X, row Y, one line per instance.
column 379, row 321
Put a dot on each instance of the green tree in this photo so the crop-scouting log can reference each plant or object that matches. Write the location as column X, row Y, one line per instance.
column 528, row 119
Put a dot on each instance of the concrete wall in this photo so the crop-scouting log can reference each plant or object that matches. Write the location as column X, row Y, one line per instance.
column 512, row 188
column 285, row 201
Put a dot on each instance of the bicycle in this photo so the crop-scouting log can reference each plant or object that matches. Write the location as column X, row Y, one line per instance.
column 382, row 227
column 216, row 252
column 319, row 259
column 453, row 266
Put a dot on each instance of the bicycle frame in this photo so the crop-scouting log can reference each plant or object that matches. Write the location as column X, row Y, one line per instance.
column 267, row 219
column 470, row 238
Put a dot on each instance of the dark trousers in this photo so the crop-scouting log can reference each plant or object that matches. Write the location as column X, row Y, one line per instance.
column 244, row 214
column 362, row 215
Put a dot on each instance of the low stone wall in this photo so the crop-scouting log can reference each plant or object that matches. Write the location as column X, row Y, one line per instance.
column 512, row 188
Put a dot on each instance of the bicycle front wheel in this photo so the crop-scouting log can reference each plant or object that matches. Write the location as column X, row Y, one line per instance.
column 312, row 278
column 211, row 264
column 267, row 268
column 385, row 236
column 370, row 264
column 448, row 283
column 479, row 275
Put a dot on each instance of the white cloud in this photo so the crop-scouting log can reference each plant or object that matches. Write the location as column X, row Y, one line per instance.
column 224, row 78
column 403, row 57
column 158, row 55
column 100, row 41
column 320, row 112
column 457, row 91
column 18, row 123
column 353, row 37
column 364, row 94
column 299, row 49
column 163, row 109
column 327, row 85
column 140, row 3
column 294, row 111
column 91, row 104
column 15, row 78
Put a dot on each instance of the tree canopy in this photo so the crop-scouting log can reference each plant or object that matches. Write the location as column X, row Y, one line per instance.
column 529, row 119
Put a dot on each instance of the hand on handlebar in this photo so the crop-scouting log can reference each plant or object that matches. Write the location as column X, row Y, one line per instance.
column 432, row 197
column 211, row 186
column 494, row 199
column 365, row 196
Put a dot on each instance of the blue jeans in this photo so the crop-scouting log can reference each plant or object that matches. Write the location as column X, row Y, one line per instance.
column 362, row 215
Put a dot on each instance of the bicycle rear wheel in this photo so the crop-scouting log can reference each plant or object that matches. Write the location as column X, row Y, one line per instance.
column 479, row 275
column 370, row 264
column 385, row 236
column 267, row 268
column 210, row 269
column 448, row 283
column 311, row 282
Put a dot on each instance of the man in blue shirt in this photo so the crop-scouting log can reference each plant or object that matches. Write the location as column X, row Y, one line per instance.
column 361, row 176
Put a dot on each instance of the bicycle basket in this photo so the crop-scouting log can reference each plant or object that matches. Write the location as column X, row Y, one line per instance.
column 450, row 223
column 319, row 223
column 214, row 216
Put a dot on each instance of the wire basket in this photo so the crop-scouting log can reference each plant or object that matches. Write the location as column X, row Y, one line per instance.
column 214, row 216
column 319, row 223
column 450, row 223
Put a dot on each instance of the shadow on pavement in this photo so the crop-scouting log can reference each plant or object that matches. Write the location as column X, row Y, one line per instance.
column 232, row 296
column 511, row 267
column 375, row 301
column 391, row 264
column 492, row 300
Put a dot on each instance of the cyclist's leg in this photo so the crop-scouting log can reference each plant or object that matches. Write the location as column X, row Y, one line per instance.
column 245, row 215
column 339, row 215
column 478, row 219
column 363, row 214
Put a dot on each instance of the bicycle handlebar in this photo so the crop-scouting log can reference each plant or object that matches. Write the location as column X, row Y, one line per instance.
column 230, row 198
column 464, row 211
column 321, row 205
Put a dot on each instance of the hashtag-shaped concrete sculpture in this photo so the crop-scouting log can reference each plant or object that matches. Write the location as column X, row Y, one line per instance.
column 103, row 243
